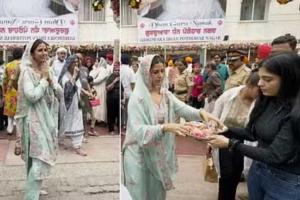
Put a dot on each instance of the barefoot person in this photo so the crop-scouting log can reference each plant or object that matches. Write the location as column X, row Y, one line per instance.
column 71, row 119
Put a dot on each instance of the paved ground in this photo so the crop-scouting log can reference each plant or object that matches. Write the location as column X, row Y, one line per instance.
column 190, row 184
column 94, row 177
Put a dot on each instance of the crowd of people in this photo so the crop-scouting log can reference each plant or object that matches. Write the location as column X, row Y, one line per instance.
column 256, row 104
column 53, row 99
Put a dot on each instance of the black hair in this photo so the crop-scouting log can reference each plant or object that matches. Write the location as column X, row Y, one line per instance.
column 286, row 66
column 182, row 60
column 156, row 60
column 90, row 79
column 212, row 65
column 287, row 38
column 125, row 59
column 196, row 60
column 253, row 79
column 134, row 59
column 17, row 53
column 36, row 43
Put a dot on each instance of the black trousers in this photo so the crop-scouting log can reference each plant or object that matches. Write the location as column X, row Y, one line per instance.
column 231, row 168
column 113, row 112
column 195, row 103
column 3, row 119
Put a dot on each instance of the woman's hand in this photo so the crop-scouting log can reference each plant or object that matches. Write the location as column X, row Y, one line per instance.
column 218, row 141
column 178, row 129
column 201, row 97
column 45, row 73
column 208, row 117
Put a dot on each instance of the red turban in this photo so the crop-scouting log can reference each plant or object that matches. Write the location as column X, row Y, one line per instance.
column 263, row 51
column 109, row 57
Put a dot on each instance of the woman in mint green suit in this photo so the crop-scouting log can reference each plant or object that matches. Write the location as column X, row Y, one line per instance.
column 37, row 116
column 149, row 160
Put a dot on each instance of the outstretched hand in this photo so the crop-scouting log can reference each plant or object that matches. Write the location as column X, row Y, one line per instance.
column 208, row 117
column 178, row 129
column 218, row 141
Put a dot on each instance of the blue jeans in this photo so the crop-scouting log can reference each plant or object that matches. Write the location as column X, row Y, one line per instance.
column 269, row 183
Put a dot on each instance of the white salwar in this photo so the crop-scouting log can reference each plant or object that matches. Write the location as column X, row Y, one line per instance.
column 100, row 73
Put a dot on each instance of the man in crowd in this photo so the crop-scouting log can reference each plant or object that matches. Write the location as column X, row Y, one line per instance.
column 222, row 69
column 127, row 81
column 284, row 43
column 58, row 63
column 239, row 72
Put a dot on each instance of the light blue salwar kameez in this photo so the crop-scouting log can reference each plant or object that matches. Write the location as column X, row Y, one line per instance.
column 149, row 160
column 37, row 122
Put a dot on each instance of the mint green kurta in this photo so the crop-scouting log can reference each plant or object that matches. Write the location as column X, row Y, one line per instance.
column 149, row 159
column 37, row 122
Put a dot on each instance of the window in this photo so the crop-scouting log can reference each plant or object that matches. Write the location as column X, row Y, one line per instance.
column 253, row 10
column 129, row 15
column 87, row 14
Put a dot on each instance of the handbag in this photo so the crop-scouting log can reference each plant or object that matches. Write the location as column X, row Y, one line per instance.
column 95, row 102
column 210, row 173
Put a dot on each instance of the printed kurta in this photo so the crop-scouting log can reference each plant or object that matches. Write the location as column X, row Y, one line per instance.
column 71, row 124
column 149, row 158
column 9, row 88
column 37, row 122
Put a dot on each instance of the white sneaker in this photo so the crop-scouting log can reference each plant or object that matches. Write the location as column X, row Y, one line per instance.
column 43, row 192
column 10, row 129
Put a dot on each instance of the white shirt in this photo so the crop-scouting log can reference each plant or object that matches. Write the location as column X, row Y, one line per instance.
column 57, row 67
column 1, row 73
column 127, row 78
column 189, row 69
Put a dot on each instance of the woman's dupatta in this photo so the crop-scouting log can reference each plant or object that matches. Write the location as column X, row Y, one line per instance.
column 143, row 127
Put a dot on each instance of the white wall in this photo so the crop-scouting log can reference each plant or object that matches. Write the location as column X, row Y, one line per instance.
column 280, row 19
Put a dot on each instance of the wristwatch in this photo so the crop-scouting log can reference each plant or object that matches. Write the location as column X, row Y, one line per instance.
column 233, row 144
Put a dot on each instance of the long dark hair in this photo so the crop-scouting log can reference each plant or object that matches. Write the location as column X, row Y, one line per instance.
column 156, row 60
column 36, row 43
column 287, row 67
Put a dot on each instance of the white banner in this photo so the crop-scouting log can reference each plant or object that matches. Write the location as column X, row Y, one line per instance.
column 181, row 31
column 181, row 21
column 52, row 21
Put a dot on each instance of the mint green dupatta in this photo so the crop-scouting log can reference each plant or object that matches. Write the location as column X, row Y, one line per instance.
column 158, row 148
column 37, row 116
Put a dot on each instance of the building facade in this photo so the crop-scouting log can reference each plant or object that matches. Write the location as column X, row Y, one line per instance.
column 245, row 21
